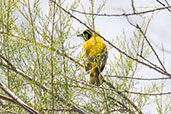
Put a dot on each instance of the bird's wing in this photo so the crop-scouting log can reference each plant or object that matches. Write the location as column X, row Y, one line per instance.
column 102, row 59
column 86, row 60
column 94, row 54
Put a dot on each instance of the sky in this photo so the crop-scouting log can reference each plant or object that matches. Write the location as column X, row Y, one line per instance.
column 110, row 27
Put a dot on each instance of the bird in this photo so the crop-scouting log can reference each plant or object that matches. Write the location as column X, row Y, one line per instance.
column 94, row 55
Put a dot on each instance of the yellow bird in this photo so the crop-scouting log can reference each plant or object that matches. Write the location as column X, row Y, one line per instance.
column 94, row 55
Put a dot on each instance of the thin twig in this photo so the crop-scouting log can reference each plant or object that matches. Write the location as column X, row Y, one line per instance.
column 118, row 110
column 134, row 78
column 160, row 70
column 118, row 103
column 7, row 98
column 161, row 49
column 105, row 100
column 60, row 110
column 167, row 2
column 123, row 14
column 9, row 112
column 148, row 23
column 121, row 104
column 6, row 61
column 31, row 19
column 52, row 58
column 151, row 47
column 112, row 89
column 150, row 62
column 124, row 96
column 163, row 4
column 133, row 7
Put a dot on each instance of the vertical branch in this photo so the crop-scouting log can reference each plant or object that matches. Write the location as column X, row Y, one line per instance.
column 62, row 42
column 52, row 62
column 132, row 5
column 163, row 81
column 31, row 19
column 61, row 36
column 7, row 29
column 32, row 35
column 92, row 11
column 63, row 52
column 105, row 101
column 148, row 23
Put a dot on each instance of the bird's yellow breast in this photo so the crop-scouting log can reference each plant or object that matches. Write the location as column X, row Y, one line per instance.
column 93, row 46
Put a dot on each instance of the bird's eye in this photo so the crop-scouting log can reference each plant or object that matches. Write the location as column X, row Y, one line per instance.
column 86, row 35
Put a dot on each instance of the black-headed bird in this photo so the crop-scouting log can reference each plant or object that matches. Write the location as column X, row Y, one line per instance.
column 94, row 55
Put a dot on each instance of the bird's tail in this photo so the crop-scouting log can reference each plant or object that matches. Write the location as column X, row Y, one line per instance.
column 95, row 77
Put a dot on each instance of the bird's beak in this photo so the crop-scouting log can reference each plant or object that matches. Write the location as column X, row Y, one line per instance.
column 80, row 35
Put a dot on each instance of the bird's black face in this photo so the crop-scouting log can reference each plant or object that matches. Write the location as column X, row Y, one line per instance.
column 87, row 34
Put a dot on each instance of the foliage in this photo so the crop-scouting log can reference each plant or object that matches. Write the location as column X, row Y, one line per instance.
column 35, row 52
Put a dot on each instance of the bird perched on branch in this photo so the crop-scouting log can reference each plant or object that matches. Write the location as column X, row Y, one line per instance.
column 94, row 55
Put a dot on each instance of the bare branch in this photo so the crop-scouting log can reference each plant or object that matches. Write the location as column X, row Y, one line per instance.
column 134, row 78
column 151, row 46
column 163, row 4
column 7, row 99
column 9, row 112
column 162, row 71
column 149, row 94
column 167, row 2
column 112, row 89
column 52, row 58
column 124, row 14
column 150, row 62
column 133, row 7
column 148, row 23
column 60, row 110
column 6, row 61
column 125, row 107
column 17, row 100
column 125, row 97
column 161, row 48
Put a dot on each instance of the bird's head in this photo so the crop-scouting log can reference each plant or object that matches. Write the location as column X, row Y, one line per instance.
column 87, row 34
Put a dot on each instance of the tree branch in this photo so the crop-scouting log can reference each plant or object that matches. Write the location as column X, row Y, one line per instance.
column 163, row 4
column 133, row 7
column 112, row 89
column 43, row 87
column 134, row 78
column 17, row 100
column 151, row 47
column 124, row 14
column 7, row 99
